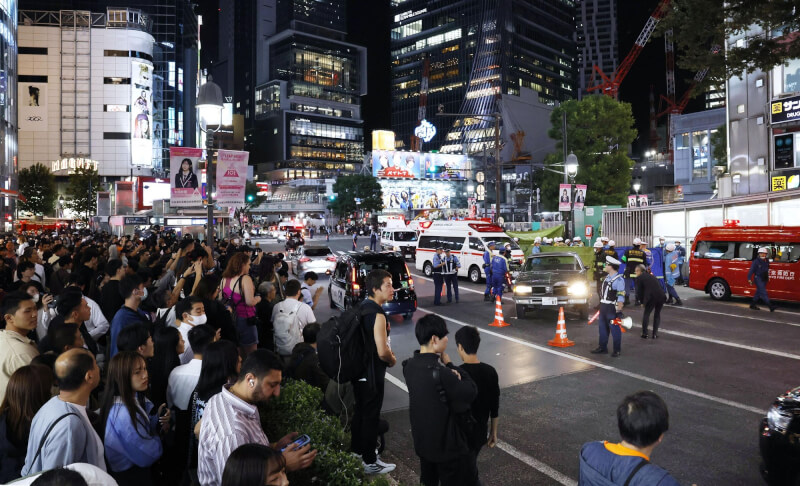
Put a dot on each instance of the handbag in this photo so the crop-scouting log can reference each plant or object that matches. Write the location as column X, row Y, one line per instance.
column 252, row 320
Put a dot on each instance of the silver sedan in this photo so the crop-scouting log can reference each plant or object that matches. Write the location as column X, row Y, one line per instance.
column 320, row 260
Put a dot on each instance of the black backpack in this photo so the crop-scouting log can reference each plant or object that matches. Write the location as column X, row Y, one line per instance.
column 342, row 346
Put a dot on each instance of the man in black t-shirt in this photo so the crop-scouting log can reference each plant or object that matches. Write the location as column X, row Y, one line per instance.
column 487, row 403
column 368, row 390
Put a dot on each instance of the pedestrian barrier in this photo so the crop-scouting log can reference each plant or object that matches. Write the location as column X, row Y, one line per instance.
column 498, row 314
column 561, row 341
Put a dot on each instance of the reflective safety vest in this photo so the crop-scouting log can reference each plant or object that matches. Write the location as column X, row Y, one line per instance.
column 608, row 293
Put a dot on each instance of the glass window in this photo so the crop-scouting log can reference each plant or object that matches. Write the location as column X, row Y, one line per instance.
column 787, row 252
column 715, row 250
column 475, row 244
column 426, row 242
column 405, row 236
column 543, row 262
column 341, row 271
column 453, row 243
column 700, row 155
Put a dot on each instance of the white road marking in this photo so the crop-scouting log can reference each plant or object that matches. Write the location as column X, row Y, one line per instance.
column 509, row 449
column 461, row 289
column 734, row 345
column 606, row 367
column 752, row 318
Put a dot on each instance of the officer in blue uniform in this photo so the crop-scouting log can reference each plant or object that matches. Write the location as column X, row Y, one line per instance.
column 438, row 276
column 759, row 274
column 499, row 269
column 611, row 303
column 487, row 270
column 451, row 266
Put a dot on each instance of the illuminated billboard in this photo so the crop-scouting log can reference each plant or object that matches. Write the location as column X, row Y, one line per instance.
column 417, row 195
column 416, row 165
column 141, row 113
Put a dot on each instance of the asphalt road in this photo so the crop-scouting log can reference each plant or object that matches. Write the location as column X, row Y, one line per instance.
column 717, row 365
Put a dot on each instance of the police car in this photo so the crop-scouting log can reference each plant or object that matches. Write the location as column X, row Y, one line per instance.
column 348, row 283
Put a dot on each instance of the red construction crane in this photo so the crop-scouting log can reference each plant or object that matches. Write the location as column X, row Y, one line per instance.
column 610, row 85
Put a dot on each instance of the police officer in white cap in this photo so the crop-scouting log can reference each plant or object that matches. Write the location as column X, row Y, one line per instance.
column 759, row 274
column 612, row 301
column 537, row 246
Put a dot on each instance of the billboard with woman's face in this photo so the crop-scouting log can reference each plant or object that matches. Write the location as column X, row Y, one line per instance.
column 141, row 113
column 185, row 177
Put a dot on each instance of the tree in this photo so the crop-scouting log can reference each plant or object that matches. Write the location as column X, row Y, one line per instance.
column 251, row 200
column 82, row 191
column 359, row 186
column 701, row 27
column 38, row 186
column 719, row 140
column 599, row 131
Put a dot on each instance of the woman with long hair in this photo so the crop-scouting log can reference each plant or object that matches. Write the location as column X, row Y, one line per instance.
column 168, row 344
column 186, row 178
column 252, row 464
column 27, row 390
column 130, row 423
column 238, row 288
column 221, row 365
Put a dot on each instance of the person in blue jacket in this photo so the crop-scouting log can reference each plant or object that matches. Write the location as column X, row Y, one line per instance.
column 643, row 419
column 438, row 275
column 499, row 268
column 487, row 270
column 130, row 424
column 759, row 275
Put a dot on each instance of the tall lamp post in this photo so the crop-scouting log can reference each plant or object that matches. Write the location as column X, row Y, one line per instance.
column 636, row 186
column 209, row 114
column 570, row 166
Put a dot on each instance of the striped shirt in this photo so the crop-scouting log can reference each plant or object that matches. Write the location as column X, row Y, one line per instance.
column 228, row 422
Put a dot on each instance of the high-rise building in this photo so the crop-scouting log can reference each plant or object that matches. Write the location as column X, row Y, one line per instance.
column 8, row 110
column 458, row 56
column 596, row 22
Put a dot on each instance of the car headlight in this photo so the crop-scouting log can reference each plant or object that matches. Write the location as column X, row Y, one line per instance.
column 777, row 419
column 523, row 289
column 578, row 289
column 395, row 248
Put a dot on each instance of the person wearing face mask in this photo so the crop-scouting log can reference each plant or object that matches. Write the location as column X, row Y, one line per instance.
column 189, row 312
column 134, row 292
column 43, row 313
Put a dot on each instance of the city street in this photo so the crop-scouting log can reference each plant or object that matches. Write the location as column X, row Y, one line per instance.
column 717, row 365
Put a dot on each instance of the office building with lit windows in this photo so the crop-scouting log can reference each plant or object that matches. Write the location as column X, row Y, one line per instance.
column 8, row 110
column 474, row 51
column 597, row 42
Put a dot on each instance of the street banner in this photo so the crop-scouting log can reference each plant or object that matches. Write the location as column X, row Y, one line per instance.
column 643, row 201
column 580, row 196
column 231, row 177
column 632, row 201
column 141, row 113
column 565, row 197
column 184, row 182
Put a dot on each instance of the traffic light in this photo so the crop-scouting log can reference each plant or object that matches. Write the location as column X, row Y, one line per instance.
column 250, row 197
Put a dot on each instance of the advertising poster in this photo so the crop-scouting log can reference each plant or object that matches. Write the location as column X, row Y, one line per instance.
column 387, row 163
column 784, row 151
column 141, row 113
column 791, row 76
column 580, row 196
column 184, row 187
column 404, row 196
column 443, row 166
column 416, row 165
column 564, row 197
column 231, row 178
column 643, row 201
column 631, row 201
column 33, row 106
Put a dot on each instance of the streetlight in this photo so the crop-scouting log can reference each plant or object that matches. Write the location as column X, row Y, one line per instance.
column 209, row 114
column 636, row 186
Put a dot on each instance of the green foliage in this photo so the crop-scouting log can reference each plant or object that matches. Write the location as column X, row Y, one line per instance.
column 348, row 188
column 699, row 25
column 82, row 191
column 719, row 140
column 599, row 131
column 298, row 409
column 38, row 186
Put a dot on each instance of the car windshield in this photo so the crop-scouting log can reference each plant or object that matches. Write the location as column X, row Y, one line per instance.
column 405, row 236
column 551, row 263
column 317, row 252
column 503, row 240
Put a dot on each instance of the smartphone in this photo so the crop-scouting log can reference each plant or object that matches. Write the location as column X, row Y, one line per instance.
column 52, row 304
column 300, row 441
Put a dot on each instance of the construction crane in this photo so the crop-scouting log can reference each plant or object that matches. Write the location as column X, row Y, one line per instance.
column 610, row 84
column 416, row 142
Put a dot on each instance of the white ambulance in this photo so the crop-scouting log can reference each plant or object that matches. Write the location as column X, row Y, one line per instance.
column 467, row 240
column 396, row 236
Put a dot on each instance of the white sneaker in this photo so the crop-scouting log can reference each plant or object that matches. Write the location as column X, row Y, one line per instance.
column 381, row 463
column 377, row 468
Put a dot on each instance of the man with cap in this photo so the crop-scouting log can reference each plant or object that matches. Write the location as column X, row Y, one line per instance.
column 559, row 241
column 599, row 264
column 537, row 245
column 611, row 303
column 759, row 274
column 632, row 257
column 499, row 269
column 604, row 239
column 577, row 241
column 451, row 266
column 661, row 243
column 671, row 271
column 487, row 270
column 438, row 276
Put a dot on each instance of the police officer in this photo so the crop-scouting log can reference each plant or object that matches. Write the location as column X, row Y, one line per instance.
column 611, row 304
column 537, row 245
column 438, row 276
column 632, row 257
column 577, row 241
column 681, row 258
column 759, row 273
column 451, row 266
column 605, row 240
column 671, row 272
column 499, row 269
column 487, row 270
column 610, row 249
column 599, row 263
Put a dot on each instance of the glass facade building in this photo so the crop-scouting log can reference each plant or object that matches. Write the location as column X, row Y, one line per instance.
column 597, row 41
column 8, row 110
column 322, row 17
column 473, row 51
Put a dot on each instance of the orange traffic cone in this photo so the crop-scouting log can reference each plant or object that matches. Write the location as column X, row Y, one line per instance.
column 498, row 315
column 561, row 341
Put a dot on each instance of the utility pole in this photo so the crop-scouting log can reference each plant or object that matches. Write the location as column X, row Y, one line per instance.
column 498, row 164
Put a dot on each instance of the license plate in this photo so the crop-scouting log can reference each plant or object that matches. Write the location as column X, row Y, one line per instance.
column 549, row 300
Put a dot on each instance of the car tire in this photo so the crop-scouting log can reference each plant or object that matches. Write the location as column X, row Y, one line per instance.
column 719, row 289
column 520, row 311
column 474, row 274
column 427, row 269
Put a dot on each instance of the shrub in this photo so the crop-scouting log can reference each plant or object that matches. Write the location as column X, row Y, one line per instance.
column 299, row 409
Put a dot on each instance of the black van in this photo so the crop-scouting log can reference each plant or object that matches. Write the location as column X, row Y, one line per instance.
column 347, row 284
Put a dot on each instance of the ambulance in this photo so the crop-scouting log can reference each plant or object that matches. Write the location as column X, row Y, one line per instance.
column 466, row 239
column 399, row 237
